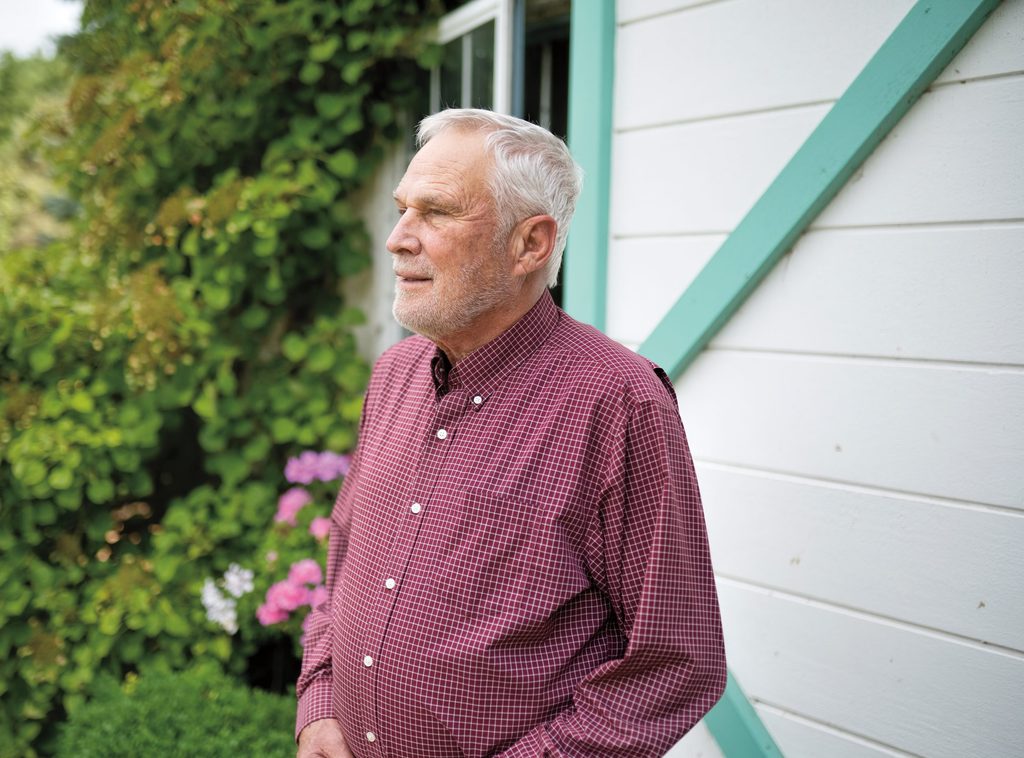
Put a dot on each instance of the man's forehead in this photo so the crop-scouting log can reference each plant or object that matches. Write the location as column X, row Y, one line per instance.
column 451, row 159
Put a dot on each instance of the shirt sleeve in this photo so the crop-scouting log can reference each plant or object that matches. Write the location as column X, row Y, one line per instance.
column 655, row 568
column 314, row 687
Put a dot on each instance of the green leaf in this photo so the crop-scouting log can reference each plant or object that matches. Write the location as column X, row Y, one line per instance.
column 41, row 359
column 343, row 163
column 61, row 478
column 322, row 51
column 311, row 73
column 81, row 402
column 329, row 105
column 320, row 359
column 294, row 347
column 283, row 429
column 315, row 237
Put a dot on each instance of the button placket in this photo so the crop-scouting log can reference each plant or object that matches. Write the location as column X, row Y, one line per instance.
column 450, row 409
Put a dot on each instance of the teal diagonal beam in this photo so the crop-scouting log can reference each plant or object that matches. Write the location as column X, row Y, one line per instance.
column 737, row 729
column 591, row 79
column 921, row 46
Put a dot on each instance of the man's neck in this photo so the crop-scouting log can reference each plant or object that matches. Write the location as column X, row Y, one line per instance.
column 458, row 346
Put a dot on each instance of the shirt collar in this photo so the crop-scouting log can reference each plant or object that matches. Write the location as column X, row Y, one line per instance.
column 479, row 370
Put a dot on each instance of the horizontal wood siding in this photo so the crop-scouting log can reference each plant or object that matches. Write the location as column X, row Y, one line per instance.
column 917, row 691
column 859, row 424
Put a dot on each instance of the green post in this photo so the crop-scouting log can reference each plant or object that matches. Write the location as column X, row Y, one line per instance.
column 591, row 79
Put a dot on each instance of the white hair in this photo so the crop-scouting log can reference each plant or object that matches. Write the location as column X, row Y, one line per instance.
column 534, row 173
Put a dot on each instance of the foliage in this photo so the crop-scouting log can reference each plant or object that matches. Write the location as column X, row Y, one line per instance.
column 210, row 715
column 159, row 365
column 32, row 207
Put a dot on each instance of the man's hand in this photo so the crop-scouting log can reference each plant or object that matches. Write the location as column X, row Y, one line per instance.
column 322, row 739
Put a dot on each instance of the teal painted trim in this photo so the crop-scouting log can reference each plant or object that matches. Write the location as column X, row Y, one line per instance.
column 591, row 77
column 920, row 47
column 737, row 729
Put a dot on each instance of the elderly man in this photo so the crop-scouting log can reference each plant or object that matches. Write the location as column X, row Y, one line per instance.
column 518, row 561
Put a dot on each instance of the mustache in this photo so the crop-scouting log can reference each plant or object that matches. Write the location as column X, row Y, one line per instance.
column 408, row 273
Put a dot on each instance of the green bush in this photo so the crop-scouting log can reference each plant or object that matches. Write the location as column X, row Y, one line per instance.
column 196, row 714
column 160, row 364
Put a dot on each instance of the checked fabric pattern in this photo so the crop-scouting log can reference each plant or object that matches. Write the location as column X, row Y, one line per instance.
column 518, row 562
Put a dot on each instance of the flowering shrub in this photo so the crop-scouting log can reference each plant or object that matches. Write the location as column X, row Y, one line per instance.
column 236, row 581
column 298, row 533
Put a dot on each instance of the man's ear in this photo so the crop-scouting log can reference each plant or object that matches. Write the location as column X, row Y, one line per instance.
column 535, row 241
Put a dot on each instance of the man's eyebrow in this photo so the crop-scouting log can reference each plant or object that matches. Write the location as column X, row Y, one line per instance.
column 427, row 200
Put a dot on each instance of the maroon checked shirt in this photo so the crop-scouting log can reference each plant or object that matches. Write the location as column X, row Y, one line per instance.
column 518, row 561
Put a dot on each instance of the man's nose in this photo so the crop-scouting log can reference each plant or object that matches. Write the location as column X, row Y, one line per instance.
column 402, row 238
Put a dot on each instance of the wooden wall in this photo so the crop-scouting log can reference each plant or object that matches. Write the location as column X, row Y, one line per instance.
column 859, row 423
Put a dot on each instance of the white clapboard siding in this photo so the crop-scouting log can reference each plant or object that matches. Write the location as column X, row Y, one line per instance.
column 798, row 737
column 701, row 177
column 698, row 743
column 873, row 551
column 937, row 293
column 746, row 55
column 632, row 10
column 996, row 48
column 956, row 156
column 934, row 429
column 645, row 277
column 917, row 691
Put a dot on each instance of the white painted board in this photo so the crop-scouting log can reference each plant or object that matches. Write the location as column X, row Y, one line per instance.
column 745, row 56
column 913, row 690
column 936, row 564
column 646, row 276
column 701, row 177
column 698, row 743
column 956, row 156
column 798, row 737
column 935, row 293
column 940, row 430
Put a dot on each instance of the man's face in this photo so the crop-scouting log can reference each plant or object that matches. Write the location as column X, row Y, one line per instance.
column 452, row 274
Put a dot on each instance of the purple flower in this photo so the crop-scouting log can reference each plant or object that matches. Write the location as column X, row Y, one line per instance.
column 304, row 469
column 306, row 571
column 311, row 465
column 320, row 527
column 332, row 465
column 287, row 595
column 290, row 503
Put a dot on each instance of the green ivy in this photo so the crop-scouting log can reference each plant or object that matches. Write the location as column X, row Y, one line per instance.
column 160, row 362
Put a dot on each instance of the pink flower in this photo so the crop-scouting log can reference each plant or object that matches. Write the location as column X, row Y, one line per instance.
column 311, row 465
column 268, row 614
column 302, row 470
column 306, row 571
column 320, row 527
column 290, row 503
column 318, row 596
column 287, row 596
column 330, row 466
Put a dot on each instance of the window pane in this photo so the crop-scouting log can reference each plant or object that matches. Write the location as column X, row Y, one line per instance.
column 483, row 65
column 451, row 74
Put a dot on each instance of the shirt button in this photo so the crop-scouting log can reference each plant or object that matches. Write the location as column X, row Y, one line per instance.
column 477, row 400
column 416, row 508
column 390, row 583
column 367, row 661
column 442, row 434
column 370, row 736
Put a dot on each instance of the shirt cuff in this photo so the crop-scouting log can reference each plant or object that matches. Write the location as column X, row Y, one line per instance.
column 315, row 704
